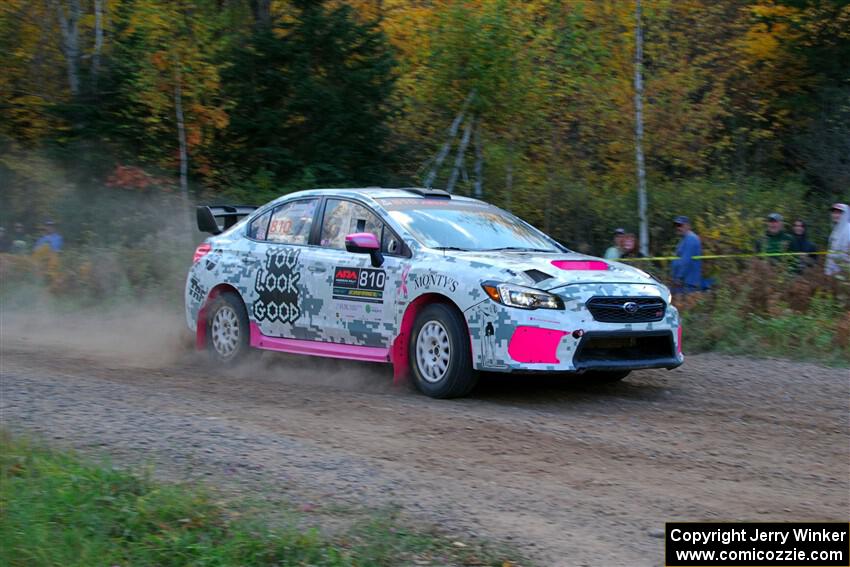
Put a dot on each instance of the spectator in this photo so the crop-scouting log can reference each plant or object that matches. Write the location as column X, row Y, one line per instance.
column 838, row 258
column 800, row 243
column 614, row 252
column 50, row 238
column 19, row 240
column 687, row 271
column 629, row 247
column 775, row 239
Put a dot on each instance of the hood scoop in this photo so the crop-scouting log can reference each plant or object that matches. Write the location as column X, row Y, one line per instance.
column 537, row 275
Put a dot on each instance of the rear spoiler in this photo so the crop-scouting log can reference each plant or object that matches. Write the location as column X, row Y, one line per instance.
column 217, row 218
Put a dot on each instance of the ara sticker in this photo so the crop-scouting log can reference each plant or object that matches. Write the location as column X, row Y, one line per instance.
column 359, row 284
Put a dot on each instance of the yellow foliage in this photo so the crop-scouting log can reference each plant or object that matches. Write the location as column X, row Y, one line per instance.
column 728, row 232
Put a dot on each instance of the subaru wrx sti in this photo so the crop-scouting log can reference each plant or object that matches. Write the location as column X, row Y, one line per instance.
column 438, row 285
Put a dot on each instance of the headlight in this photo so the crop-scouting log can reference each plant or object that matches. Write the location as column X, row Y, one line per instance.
column 521, row 297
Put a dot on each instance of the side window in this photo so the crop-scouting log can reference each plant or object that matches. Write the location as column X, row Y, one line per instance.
column 291, row 222
column 345, row 217
column 259, row 226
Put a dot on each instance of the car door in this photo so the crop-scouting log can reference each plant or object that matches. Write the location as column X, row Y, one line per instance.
column 358, row 298
column 277, row 258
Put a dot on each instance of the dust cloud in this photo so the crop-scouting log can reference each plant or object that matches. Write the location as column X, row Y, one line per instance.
column 154, row 336
column 143, row 336
column 114, row 295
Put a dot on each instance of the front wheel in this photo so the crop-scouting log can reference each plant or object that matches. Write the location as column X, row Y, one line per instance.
column 440, row 354
column 227, row 329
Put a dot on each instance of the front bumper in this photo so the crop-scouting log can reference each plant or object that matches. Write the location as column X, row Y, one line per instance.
column 506, row 339
column 637, row 350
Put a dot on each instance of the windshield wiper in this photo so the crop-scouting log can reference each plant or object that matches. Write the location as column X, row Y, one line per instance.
column 519, row 248
column 444, row 248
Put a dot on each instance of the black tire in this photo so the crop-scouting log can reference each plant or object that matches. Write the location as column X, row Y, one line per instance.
column 606, row 376
column 458, row 377
column 233, row 325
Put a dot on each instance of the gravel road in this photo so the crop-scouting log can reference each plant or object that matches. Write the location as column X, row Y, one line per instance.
column 569, row 473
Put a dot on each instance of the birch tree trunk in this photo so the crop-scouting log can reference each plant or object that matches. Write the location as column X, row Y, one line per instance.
column 181, row 139
column 70, row 46
column 444, row 151
column 641, row 171
column 98, row 40
column 478, row 191
column 461, row 151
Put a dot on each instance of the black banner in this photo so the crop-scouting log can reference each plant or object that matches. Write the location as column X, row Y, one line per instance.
column 767, row 544
column 359, row 284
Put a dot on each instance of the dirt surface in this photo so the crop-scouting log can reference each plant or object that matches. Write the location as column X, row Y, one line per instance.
column 569, row 473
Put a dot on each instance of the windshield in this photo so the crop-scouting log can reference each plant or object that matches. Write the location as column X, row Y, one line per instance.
column 466, row 225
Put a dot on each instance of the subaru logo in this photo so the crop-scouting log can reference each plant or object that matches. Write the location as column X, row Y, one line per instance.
column 630, row 307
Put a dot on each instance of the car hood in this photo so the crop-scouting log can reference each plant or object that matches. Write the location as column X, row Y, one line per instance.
column 550, row 271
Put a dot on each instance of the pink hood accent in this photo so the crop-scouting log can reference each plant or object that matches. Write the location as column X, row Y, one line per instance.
column 593, row 265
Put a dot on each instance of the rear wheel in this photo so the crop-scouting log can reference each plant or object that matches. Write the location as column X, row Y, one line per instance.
column 227, row 329
column 606, row 377
column 440, row 356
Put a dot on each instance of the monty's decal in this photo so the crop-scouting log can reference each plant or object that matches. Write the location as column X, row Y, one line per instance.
column 276, row 285
column 435, row 281
column 359, row 284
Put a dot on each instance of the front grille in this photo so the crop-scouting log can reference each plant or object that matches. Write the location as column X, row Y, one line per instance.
column 627, row 309
column 626, row 347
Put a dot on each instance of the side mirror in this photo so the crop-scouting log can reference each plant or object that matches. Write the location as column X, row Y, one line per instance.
column 206, row 220
column 365, row 243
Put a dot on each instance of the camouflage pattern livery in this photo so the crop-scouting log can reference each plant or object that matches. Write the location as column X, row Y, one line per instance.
column 311, row 292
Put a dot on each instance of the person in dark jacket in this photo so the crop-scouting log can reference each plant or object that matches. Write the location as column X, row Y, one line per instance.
column 800, row 243
column 775, row 239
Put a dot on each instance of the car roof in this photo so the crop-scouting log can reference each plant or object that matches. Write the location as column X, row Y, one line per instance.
column 375, row 193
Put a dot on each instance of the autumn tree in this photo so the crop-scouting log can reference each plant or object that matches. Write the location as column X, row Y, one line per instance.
column 165, row 78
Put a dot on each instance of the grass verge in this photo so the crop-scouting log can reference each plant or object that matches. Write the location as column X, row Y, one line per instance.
column 58, row 509
column 764, row 313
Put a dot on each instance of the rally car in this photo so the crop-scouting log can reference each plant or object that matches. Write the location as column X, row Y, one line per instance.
column 438, row 285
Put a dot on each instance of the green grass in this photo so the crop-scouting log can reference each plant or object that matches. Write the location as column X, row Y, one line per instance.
column 58, row 509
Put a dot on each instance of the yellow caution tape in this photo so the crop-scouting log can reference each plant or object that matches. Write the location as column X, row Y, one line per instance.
column 720, row 256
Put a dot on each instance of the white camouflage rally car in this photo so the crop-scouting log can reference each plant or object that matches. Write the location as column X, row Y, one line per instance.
column 440, row 286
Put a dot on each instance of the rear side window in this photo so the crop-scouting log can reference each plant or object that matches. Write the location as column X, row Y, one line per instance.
column 291, row 222
column 259, row 226
column 346, row 217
